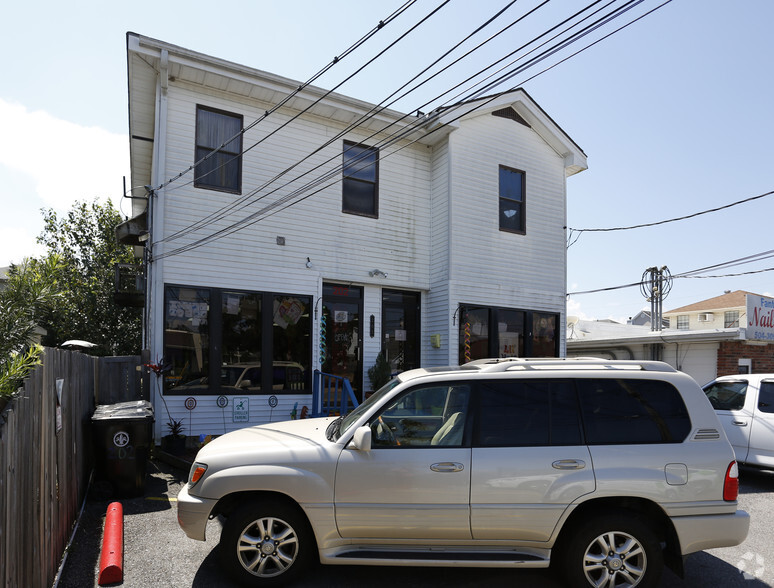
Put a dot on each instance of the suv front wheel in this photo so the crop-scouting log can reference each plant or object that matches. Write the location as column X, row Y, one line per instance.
column 612, row 552
column 266, row 545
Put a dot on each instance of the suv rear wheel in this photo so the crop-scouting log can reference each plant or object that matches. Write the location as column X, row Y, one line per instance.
column 266, row 545
column 613, row 552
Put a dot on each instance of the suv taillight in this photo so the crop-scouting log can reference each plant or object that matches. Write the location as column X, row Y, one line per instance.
column 731, row 483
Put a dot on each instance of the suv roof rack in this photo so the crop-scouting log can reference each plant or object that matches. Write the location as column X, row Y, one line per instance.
column 537, row 363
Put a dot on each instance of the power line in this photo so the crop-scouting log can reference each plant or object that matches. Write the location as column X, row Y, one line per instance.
column 336, row 87
column 672, row 220
column 240, row 203
column 267, row 211
column 336, row 60
column 693, row 273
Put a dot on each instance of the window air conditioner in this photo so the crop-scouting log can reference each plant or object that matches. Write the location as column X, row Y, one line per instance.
column 705, row 317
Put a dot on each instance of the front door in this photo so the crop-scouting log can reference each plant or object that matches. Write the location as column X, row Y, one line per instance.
column 341, row 336
column 400, row 325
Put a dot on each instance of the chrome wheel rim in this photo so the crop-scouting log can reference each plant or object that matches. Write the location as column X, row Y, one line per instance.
column 267, row 547
column 614, row 560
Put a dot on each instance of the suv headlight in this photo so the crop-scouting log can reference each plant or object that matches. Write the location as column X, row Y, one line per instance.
column 197, row 471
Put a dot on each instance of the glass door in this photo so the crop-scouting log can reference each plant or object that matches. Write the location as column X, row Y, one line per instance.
column 342, row 334
column 400, row 327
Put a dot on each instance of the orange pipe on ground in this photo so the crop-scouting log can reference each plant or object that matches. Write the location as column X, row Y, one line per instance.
column 111, row 561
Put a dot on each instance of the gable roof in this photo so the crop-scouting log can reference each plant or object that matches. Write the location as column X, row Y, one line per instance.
column 728, row 300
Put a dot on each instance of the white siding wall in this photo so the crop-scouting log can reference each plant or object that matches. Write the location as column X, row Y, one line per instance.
column 342, row 247
column 493, row 267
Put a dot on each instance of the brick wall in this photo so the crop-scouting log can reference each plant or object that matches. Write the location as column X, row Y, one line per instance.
column 729, row 353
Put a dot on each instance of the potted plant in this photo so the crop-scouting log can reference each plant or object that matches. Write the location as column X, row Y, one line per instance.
column 380, row 373
column 174, row 442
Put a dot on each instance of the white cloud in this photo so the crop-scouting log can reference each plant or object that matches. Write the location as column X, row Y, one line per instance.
column 65, row 161
column 16, row 243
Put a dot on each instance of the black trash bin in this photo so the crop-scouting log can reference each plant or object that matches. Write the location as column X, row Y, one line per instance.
column 122, row 439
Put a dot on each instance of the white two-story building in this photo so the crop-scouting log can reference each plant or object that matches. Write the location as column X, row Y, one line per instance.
column 287, row 229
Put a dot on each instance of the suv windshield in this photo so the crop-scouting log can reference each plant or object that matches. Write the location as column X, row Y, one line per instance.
column 348, row 420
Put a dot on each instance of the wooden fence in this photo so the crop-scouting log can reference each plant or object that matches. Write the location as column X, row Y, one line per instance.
column 45, row 460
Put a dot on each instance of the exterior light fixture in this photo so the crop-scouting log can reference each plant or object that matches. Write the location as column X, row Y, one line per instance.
column 377, row 273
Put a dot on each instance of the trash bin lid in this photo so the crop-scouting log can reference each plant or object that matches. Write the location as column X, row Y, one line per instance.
column 135, row 409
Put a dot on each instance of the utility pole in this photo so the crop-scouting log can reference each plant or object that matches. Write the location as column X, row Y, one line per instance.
column 655, row 286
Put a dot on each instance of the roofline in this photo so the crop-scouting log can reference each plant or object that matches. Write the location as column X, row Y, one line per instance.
column 518, row 89
column 669, row 336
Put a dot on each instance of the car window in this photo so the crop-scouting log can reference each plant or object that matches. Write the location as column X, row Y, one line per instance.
column 728, row 395
column 427, row 416
column 629, row 412
column 523, row 413
column 766, row 397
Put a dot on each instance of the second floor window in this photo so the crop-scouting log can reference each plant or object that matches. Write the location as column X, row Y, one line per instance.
column 221, row 170
column 360, row 191
column 683, row 322
column 731, row 319
column 512, row 213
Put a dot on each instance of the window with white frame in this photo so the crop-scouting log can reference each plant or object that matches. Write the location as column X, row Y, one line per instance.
column 731, row 319
column 683, row 322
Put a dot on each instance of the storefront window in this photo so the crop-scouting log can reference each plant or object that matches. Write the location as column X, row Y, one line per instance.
column 220, row 342
column 544, row 343
column 474, row 334
column 503, row 332
column 186, row 337
column 241, row 348
column 510, row 331
column 291, row 328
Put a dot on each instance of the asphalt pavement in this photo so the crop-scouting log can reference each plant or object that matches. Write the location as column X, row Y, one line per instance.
column 157, row 553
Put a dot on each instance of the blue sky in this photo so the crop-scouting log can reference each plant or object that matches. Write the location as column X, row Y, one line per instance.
column 673, row 112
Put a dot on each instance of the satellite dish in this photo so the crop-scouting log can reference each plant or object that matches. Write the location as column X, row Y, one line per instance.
column 572, row 321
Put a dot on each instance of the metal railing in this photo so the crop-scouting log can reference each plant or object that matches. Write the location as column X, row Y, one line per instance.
column 331, row 395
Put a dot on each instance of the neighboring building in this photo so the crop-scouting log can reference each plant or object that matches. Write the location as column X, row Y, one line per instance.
column 724, row 335
column 724, row 311
column 444, row 246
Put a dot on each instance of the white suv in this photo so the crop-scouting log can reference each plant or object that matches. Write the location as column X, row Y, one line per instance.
column 608, row 469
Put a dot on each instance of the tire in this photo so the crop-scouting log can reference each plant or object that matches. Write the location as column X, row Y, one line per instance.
column 613, row 552
column 267, row 544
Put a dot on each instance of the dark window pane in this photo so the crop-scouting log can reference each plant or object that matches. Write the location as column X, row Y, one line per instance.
column 359, row 197
column 727, row 395
column 511, row 184
column 360, row 163
column 511, row 192
column 632, row 412
column 510, row 327
column 524, row 413
column 474, row 334
column 766, row 397
column 510, row 215
column 360, row 179
column 291, row 330
column 186, row 339
column 221, row 170
column 241, row 336
column 544, row 335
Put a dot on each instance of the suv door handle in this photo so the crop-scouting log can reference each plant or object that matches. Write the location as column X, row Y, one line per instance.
column 447, row 466
column 740, row 423
column 569, row 464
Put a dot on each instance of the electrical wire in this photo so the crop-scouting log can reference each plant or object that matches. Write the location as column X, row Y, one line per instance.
column 693, row 273
column 383, row 105
column 672, row 220
column 283, row 201
column 337, row 59
column 336, row 87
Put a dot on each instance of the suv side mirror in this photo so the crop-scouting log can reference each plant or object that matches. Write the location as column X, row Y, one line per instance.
column 362, row 439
